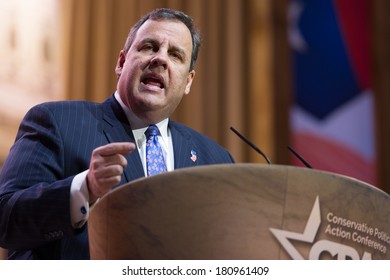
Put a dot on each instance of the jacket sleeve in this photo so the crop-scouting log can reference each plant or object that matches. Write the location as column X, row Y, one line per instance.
column 34, row 195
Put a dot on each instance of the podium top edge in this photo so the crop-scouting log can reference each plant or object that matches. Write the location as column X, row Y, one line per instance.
column 260, row 167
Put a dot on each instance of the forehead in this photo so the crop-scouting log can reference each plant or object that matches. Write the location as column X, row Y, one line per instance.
column 174, row 32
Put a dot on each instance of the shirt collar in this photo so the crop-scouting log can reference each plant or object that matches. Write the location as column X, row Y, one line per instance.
column 139, row 134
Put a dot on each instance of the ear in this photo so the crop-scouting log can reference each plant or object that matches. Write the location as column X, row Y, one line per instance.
column 190, row 78
column 119, row 64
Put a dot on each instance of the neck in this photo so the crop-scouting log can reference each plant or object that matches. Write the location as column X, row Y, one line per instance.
column 136, row 121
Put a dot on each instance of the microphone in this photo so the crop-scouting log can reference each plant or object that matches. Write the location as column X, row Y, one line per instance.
column 299, row 157
column 251, row 144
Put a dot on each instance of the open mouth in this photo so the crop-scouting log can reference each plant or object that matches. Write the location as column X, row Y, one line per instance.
column 153, row 80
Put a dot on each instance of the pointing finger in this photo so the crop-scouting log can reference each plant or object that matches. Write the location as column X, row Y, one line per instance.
column 122, row 148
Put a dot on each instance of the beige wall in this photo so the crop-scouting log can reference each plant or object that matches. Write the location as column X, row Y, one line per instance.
column 30, row 61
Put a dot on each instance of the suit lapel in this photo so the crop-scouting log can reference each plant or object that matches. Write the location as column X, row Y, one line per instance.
column 117, row 129
column 185, row 152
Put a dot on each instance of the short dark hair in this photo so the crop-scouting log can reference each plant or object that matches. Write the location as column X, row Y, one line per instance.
column 161, row 14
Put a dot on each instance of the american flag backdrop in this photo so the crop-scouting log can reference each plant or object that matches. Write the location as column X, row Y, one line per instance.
column 332, row 118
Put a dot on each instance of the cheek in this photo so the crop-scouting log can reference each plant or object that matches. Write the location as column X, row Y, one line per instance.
column 132, row 66
column 128, row 77
column 181, row 81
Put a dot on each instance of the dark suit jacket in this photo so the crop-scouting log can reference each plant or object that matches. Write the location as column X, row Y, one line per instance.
column 54, row 143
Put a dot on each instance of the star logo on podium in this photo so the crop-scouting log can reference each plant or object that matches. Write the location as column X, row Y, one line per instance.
column 308, row 234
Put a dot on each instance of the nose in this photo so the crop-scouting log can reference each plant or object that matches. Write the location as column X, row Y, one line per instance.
column 159, row 60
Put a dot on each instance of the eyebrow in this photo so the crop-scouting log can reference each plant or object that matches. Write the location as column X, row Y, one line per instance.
column 149, row 40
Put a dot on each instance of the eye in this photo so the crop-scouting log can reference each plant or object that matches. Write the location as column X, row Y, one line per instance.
column 176, row 55
column 147, row 47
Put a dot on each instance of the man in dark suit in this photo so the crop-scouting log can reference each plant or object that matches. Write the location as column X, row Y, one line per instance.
column 69, row 154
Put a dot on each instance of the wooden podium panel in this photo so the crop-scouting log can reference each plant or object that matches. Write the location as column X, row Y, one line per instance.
column 242, row 211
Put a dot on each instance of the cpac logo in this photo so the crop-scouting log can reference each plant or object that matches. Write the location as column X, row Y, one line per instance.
column 313, row 224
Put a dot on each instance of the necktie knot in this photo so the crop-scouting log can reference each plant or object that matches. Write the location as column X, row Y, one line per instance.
column 151, row 131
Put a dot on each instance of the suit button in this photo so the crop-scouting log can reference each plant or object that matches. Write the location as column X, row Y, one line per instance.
column 83, row 210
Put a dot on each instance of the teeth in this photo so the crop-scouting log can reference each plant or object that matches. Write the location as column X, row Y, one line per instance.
column 153, row 82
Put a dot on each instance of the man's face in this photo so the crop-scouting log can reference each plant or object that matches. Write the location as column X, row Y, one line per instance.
column 154, row 74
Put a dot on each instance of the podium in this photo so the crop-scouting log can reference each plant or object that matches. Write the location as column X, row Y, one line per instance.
column 242, row 212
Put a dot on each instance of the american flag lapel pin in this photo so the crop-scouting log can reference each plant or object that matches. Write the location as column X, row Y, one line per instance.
column 193, row 156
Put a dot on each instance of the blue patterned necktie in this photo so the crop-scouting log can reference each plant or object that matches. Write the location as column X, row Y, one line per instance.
column 155, row 162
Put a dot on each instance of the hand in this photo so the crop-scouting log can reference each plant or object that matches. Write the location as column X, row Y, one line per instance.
column 106, row 168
